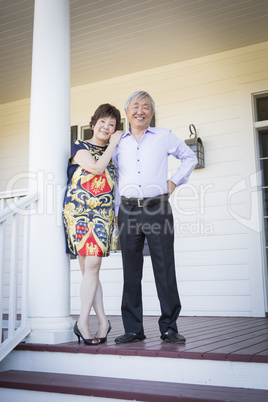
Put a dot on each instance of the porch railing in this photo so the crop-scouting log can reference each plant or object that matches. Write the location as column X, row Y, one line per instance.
column 15, row 212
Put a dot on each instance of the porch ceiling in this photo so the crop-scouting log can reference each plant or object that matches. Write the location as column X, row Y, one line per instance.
column 110, row 38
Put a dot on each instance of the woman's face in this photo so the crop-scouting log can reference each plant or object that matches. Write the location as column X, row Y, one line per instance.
column 104, row 128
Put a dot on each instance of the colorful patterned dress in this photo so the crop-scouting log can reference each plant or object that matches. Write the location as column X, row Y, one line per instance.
column 88, row 209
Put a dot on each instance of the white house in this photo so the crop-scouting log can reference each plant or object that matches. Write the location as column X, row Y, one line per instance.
column 206, row 65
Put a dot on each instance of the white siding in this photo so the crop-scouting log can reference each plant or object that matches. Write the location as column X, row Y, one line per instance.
column 14, row 142
column 214, row 254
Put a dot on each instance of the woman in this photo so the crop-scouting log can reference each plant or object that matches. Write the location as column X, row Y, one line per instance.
column 88, row 214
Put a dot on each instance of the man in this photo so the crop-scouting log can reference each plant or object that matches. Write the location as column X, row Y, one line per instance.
column 141, row 161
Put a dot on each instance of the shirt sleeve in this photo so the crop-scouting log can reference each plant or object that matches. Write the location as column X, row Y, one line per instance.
column 180, row 150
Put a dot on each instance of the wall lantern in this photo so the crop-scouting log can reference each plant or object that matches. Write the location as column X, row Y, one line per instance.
column 196, row 145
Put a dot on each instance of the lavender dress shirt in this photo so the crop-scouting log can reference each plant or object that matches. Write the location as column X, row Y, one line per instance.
column 142, row 167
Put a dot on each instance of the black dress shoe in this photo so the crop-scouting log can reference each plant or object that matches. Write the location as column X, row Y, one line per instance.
column 129, row 337
column 173, row 337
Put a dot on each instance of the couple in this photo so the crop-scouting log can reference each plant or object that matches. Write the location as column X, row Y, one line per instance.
column 137, row 161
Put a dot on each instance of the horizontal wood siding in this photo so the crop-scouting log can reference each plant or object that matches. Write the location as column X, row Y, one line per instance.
column 14, row 143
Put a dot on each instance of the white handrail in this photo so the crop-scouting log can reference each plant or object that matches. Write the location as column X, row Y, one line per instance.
column 14, row 193
column 16, row 208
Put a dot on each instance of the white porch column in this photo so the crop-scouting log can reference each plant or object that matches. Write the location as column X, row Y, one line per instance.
column 49, row 278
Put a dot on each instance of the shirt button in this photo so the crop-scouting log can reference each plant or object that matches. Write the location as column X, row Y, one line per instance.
column 138, row 172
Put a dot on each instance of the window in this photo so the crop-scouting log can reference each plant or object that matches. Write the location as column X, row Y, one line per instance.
column 261, row 107
column 86, row 133
column 261, row 119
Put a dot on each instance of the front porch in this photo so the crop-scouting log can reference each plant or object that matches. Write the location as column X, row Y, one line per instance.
column 224, row 359
column 233, row 339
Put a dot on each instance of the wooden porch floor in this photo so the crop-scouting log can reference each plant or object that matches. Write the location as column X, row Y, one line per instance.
column 239, row 339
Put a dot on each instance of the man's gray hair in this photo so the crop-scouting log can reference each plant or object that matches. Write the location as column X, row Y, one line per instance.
column 140, row 95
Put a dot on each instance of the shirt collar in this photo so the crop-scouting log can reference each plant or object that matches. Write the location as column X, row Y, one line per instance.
column 148, row 130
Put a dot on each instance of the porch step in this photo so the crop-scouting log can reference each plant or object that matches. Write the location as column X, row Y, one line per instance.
column 126, row 389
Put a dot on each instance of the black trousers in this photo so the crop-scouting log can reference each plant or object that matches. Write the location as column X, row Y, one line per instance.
column 156, row 224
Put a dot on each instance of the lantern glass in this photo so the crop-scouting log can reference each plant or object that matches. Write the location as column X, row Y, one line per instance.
column 198, row 149
column 196, row 146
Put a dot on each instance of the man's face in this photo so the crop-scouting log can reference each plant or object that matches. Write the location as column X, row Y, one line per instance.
column 139, row 113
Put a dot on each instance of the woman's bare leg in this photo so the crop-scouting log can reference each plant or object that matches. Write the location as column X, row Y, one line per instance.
column 90, row 266
column 99, row 310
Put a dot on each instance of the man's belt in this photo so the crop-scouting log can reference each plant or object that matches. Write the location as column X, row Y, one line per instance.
column 144, row 202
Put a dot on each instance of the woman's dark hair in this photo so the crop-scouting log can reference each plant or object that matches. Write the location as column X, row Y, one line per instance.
column 106, row 110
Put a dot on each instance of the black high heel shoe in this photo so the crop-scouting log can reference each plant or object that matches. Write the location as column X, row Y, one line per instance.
column 86, row 341
column 102, row 340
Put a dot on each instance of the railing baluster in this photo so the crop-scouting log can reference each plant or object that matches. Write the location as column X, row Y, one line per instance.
column 14, row 210
column 25, row 264
column 2, row 262
column 13, row 280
